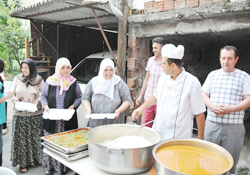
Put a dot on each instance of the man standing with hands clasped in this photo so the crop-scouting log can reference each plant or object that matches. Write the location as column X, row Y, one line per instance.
column 178, row 97
column 226, row 93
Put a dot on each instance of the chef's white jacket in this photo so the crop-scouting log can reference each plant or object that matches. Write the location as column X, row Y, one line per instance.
column 177, row 103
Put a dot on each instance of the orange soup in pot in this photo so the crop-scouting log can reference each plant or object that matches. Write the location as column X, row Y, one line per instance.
column 191, row 160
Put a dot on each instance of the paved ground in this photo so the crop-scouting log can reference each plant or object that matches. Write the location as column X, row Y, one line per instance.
column 38, row 170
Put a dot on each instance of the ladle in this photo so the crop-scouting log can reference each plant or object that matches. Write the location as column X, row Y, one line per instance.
column 115, row 140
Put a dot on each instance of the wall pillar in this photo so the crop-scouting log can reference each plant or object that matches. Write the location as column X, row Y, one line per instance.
column 138, row 54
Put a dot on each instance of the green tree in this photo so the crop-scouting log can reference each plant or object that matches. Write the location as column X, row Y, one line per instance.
column 12, row 34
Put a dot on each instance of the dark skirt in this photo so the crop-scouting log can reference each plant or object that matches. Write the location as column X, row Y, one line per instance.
column 48, row 161
column 26, row 148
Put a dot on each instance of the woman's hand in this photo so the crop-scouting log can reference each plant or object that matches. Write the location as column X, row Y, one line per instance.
column 71, row 107
column 117, row 113
column 46, row 108
column 36, row 102
column 88, row 110
column 9, row 94
column 15, row 100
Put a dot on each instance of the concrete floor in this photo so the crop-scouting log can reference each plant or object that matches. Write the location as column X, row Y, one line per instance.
column 39, row 170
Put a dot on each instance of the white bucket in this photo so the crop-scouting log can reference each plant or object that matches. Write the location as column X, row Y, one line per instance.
column 6, row 171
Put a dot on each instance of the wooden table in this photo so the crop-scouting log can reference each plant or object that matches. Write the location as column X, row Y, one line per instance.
column 83, row 166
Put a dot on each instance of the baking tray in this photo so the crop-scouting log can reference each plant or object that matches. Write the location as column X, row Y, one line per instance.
column 66, row 150
column 68, row 157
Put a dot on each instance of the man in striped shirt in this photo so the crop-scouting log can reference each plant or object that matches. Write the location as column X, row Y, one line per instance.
column 226, row 93
column 154, row 71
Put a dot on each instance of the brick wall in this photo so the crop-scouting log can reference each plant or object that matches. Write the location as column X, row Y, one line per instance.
column 138, row 54
column 164, row 5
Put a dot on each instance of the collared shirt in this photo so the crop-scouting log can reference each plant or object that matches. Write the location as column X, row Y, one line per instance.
column 177, row 103
column 227, row 89
column 155, row 71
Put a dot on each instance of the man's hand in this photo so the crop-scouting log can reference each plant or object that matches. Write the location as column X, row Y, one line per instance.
column 226, row 109
column 136, row 113
column 218, row 110
column 138, row 101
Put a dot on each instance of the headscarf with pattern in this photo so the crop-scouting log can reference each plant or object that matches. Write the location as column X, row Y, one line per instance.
column 58, row 80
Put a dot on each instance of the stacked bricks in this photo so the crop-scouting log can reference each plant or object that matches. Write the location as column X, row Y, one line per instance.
column 138, row 53
column 192, row 3
column 203, row 2
column 158, row 6
column 179, row 4
column 148, row 5
column 164, row 5
column 168, row 5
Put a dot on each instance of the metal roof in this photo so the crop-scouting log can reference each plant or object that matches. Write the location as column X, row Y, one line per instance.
column 72, row 12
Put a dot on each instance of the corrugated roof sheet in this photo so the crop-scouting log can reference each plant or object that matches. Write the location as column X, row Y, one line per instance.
column 72, row 12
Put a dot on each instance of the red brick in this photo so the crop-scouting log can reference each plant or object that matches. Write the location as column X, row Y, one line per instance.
column 141, row 72
column 130, row 83
column 203, row 2
column 192, row 3
column 148, row 5
column 179, row 4
column 142, row 63
column 168, row 5
column 133, row 42
column 133, row 52
column 131, row 73
column 158, row 5
column 131, row 63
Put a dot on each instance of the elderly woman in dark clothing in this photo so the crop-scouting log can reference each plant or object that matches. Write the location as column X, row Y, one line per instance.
column 106, row 93
column 61, row 91
column 27, row 127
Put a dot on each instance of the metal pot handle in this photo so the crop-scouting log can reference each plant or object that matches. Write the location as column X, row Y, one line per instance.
column 116, row 151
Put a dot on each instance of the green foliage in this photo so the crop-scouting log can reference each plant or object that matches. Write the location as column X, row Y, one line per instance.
column 12, row 34
column 243, row 171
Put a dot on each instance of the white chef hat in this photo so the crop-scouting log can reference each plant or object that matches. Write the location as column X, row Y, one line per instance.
column 170, row 51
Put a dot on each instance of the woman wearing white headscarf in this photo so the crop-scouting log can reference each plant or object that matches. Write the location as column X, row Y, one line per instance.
column 106, row 93
column 60, row 91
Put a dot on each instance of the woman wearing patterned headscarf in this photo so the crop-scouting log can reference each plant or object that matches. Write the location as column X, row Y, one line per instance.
column 27, row 127
column 106, row 93
column 61, row 91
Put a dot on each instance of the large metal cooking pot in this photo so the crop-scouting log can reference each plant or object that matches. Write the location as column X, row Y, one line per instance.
column 163, row 170
column 121, row 161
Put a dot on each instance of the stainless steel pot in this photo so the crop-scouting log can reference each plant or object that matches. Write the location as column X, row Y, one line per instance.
column 163, row 170
column 118, row 160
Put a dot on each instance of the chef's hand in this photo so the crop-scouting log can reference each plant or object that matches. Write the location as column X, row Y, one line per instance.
column 117, row 113
column 136, row 113
column 46, row 108
column 35, row 102
column 138, row 101
column 71, row 107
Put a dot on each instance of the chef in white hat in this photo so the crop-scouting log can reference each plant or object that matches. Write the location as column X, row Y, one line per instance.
column 178, row 97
